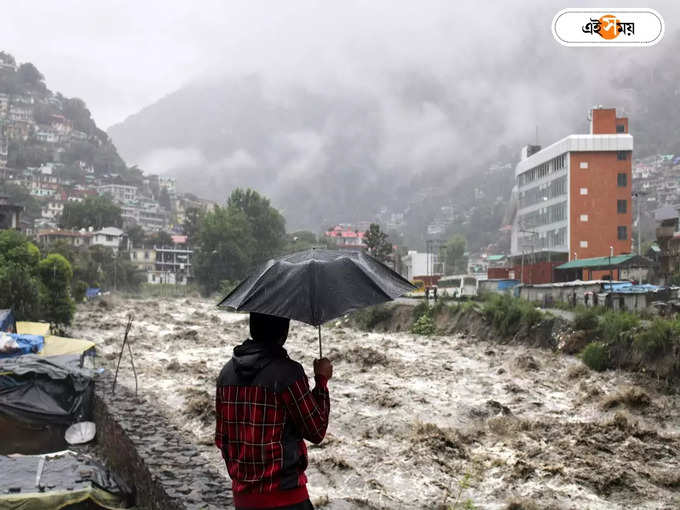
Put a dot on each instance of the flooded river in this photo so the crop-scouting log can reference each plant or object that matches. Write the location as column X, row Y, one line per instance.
column 423, row 422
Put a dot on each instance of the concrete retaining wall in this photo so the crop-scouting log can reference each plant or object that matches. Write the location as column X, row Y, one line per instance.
column 152, row 456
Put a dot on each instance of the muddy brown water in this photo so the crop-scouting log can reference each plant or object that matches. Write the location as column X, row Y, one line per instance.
column 413, row 417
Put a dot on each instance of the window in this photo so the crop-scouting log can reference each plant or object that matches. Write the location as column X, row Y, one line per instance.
column 623, row 233
column 584, row 217
column 622, row 180
column 620, row 128
column 622, row 206
column 621, row 155
column 584, row 244
column 583, row 165
column 584, row 191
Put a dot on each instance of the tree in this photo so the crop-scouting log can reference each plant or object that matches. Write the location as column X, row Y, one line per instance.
column 193, row 218
column 267, row 226
column 96, row 212
column 21, row 196
column 29, row 75
column 19, row 285
column 56, row 275
column 299, row 241
column 136, row 236
column 453, row 255
column 224, row 250
column 377, row 244
column 160, row 238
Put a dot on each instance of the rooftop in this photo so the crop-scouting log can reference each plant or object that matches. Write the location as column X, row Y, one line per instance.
column 629, row 260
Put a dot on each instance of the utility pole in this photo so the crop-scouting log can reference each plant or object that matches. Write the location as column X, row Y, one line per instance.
column 533, row 251
column 638, row 195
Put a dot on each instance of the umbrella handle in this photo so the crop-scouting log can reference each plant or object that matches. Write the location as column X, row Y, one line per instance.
column 320, row 353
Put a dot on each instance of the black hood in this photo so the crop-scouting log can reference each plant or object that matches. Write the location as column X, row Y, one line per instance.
column 268, row 328
column 250, row 357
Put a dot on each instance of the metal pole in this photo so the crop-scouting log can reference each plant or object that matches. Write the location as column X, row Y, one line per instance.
column 320, row 353
column 639, row 227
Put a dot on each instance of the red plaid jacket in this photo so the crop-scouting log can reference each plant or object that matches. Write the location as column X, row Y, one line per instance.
column 264, row 410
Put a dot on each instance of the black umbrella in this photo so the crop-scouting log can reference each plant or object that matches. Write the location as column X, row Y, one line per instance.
column 315, row 286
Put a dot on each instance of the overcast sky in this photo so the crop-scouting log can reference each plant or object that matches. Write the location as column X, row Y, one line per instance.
column 120, row 56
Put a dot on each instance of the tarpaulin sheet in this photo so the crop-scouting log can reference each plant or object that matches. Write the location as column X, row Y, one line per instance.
column 7, row 323
column 39, row 390
column 57, row 346
column 33, row 328
column 92, row 292
column 13, row 344
column 507, row 284
column 56, row 481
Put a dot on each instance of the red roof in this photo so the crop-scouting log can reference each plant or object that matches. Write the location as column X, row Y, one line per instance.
column 346, row 233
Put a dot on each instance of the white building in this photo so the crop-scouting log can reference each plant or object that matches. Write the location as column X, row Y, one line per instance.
column 119, row 192
column 110, row 237
column 421, row 264
column 52, row 209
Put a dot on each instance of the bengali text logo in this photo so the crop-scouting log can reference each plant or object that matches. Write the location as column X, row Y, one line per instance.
column 613, row 27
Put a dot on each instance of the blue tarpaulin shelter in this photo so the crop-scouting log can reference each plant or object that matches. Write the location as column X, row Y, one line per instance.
column 7, row 322
column 92, row 292
column 12, row 344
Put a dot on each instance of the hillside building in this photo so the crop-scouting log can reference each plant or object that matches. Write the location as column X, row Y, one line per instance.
column 10, row 214
column 573, row 199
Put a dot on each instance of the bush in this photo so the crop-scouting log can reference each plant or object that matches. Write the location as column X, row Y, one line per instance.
column 658, row 339
column 586, row 320
column 424, row 325
column 507, row 314
column 55, row 274
column 226, row 286
column 369, row 318
column 420, row 309
column 616, row 325
column 79, row 290
column 595, row 356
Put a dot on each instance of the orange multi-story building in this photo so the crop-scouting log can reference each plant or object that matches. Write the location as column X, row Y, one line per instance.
column 574, row 198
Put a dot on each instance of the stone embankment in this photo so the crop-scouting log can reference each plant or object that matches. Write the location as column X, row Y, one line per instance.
column 152, row 456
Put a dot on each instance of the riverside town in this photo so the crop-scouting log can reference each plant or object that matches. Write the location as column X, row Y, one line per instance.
column 338, row 256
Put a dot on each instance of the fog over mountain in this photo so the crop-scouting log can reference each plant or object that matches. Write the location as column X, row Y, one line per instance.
column 380, row 120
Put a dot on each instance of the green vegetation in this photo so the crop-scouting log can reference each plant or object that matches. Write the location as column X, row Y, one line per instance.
column 34, row 288
column 596, row 356
column 459, row 503
column 232, row 240
column 586, row 320
column 615, row 325
column 420, row 309
column 369, row 318
column 98, row 266
column 453, row 255
column 56, row 275
column 658, row 339
column 508, row 314
column 377, row 244
column 424, row 325
column 96, row 212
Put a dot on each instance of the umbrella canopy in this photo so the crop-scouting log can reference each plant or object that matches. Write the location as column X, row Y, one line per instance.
column 315, row 286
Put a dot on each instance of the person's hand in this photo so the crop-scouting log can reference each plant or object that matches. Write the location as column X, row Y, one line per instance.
column 323, row 367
